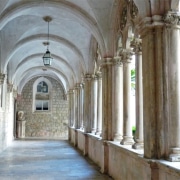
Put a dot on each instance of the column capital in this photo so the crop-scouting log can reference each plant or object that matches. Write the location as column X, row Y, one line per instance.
column 136, row 44
column 107, row 61
column 99, row 75
column 94, row 76
column 78, row 86
column 87, row 77
column 2, row 77
column 71, row 91
column 127, row 55
column 117, row 61
column 172, row 19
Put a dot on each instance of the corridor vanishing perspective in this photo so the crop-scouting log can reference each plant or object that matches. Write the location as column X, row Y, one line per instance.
column 102, row 75
column 33, row 159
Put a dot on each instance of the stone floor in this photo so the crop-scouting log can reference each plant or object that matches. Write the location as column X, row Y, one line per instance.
column 46, row 160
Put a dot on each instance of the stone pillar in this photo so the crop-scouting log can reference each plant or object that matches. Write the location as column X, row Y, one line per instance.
column 71, row 101
column 69, row 108
column 139, row 139
column 81, row 106
column 127, row 134
column 107, row 99
column 94, row 89
column 117, row 105
column 77, row 106
column 154, row 87
column 21, row 125
column 172, row 35
column 87, row 103
column 99, row 104
column 2, row 78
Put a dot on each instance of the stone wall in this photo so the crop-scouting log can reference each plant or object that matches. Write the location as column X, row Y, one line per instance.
column 52, row 123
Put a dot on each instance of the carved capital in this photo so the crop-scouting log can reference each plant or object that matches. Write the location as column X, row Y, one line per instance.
column 133, row 9
column 117, row 61
column 172, row 19
column 99, row 75
column 136, row 44
column 87, row 77
column 127, row 56
column 2, row 77
column 106, row 61
column 71, row 91
column 123, row 18
column 94, row 76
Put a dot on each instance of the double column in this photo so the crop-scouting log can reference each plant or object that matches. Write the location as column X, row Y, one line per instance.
column 172, row 40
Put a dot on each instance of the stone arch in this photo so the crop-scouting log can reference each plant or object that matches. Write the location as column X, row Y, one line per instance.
column 20, row 8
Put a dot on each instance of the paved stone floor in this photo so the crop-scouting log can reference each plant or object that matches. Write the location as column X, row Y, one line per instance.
column 46, row 160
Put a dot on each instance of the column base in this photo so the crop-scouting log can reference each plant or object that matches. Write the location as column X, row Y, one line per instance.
column 175, row 155
column 127, row 140
column 98, row 133
column 117, row 137
column 93, row 131
column 138, row 145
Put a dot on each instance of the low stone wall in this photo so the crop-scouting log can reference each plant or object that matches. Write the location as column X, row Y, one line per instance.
column 123, row 162
column 51, row 124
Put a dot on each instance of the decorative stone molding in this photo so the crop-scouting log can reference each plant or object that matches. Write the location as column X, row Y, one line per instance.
column 107, row 61
column 2, row 77
column 123, row 18
column 172, row 18
column 133, row 9
column 136, row 44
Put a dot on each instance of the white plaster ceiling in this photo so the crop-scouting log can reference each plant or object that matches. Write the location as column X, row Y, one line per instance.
column 74, row 24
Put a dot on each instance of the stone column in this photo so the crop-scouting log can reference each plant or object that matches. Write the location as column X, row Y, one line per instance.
column 87, row 104
column 107, row 99
column 99, row 104
column 2, row 77
column 77, row 106
column 69, row 108
column 139, row 139
column 117, row 105
column 172, row 35
column 81, row 106
column 94, row 103
column 71, row 100
column 127, row 135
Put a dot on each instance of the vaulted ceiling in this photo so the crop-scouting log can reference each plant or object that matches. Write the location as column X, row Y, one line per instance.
column 75, row 26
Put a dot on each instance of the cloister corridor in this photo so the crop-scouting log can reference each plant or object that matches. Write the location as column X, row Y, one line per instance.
column 35, row 159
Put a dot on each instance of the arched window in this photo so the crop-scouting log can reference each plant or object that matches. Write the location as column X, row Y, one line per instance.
column 41, row 91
